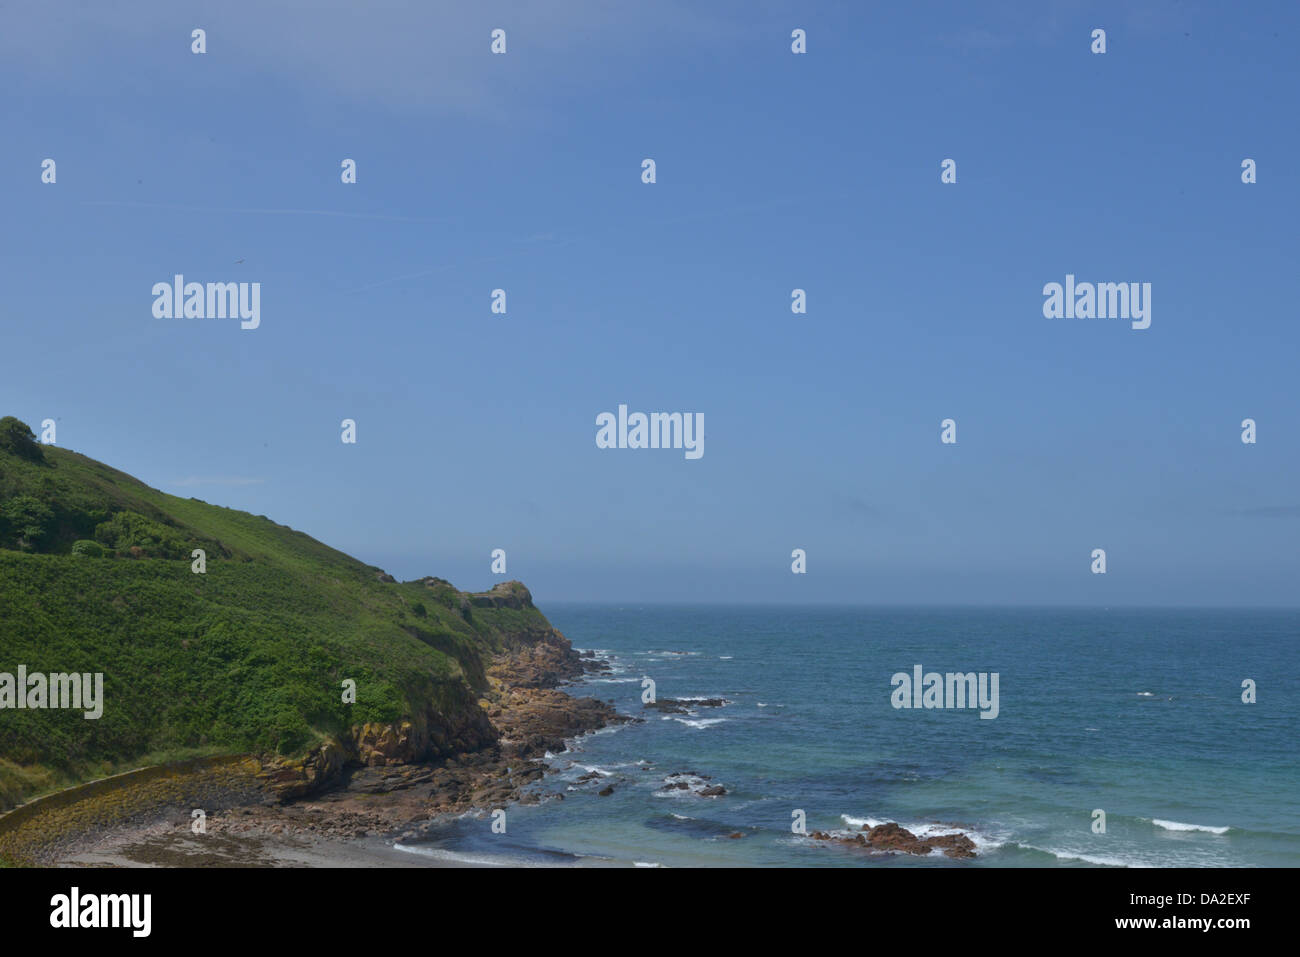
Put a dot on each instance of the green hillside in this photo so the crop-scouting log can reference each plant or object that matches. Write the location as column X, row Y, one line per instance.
column 95, row 576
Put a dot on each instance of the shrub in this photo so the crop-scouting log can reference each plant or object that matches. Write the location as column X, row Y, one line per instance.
column 131, row 532
column 26, row 521
column 88, row 548
column 17, row 437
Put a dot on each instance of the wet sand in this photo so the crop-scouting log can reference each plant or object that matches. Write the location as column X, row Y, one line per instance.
column 173, row 846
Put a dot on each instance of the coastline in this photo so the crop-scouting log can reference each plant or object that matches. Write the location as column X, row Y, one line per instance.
column 250, row 820
column 734, row 711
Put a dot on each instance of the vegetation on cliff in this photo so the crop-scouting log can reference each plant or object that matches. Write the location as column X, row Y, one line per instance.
column 250, row 656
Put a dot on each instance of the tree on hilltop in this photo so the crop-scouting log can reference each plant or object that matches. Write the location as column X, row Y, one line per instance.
column 17, row 437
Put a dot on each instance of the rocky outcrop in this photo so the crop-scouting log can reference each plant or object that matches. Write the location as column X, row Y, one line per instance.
column 522, row 716
column 545, row 663
column 694, row 782
column 522, row 722
column 892, row 838
column 290, row 778
column 684, row 706
column 511, row 594
column 592, row 665
column 378, row 744
column 427, row 738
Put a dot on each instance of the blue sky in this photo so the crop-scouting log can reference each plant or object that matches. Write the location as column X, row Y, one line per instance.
column 775, row 171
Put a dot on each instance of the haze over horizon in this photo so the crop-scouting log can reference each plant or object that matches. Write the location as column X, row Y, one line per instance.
column 522, row 171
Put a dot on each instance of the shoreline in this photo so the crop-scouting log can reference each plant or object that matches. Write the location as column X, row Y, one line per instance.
column 150, row 818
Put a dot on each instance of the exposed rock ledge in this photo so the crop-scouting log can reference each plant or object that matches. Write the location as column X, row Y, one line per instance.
column 522, row 715
column 526, row 717
column 385, row 779
column 892, row 838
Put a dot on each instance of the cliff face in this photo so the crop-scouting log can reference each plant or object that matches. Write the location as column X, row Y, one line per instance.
column 460, row 752
column 519, row 715
column 428, row 735
column 252, row 650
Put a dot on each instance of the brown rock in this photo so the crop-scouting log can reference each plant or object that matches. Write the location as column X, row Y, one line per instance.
column 892, row 838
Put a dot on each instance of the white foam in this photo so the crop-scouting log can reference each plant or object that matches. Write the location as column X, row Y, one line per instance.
column 1180, row 826
column 572, row 745
column 694, row 784
column 861, row 822
column 700, row 722
column 1086, row 858
column 984, row 842
column 439, row 854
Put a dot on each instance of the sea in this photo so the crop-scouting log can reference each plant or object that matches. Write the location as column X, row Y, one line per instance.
column 1121, row 739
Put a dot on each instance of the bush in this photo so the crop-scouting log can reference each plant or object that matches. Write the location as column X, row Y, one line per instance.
column 17, row 437
column 25, row 521
column 88, row 548
column 420, row 610
column 131, row 532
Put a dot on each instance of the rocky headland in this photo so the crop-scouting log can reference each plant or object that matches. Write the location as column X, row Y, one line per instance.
column 388, row 781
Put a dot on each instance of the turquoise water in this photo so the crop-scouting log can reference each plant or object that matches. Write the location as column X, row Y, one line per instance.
column 1136, row 713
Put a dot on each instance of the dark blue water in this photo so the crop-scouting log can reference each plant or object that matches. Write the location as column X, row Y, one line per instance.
column 1132, row 712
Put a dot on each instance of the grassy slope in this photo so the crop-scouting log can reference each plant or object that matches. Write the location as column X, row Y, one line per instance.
column 247, row 657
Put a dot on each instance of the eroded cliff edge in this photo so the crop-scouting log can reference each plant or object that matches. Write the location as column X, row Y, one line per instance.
column 475, row 744
column 510, row 708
